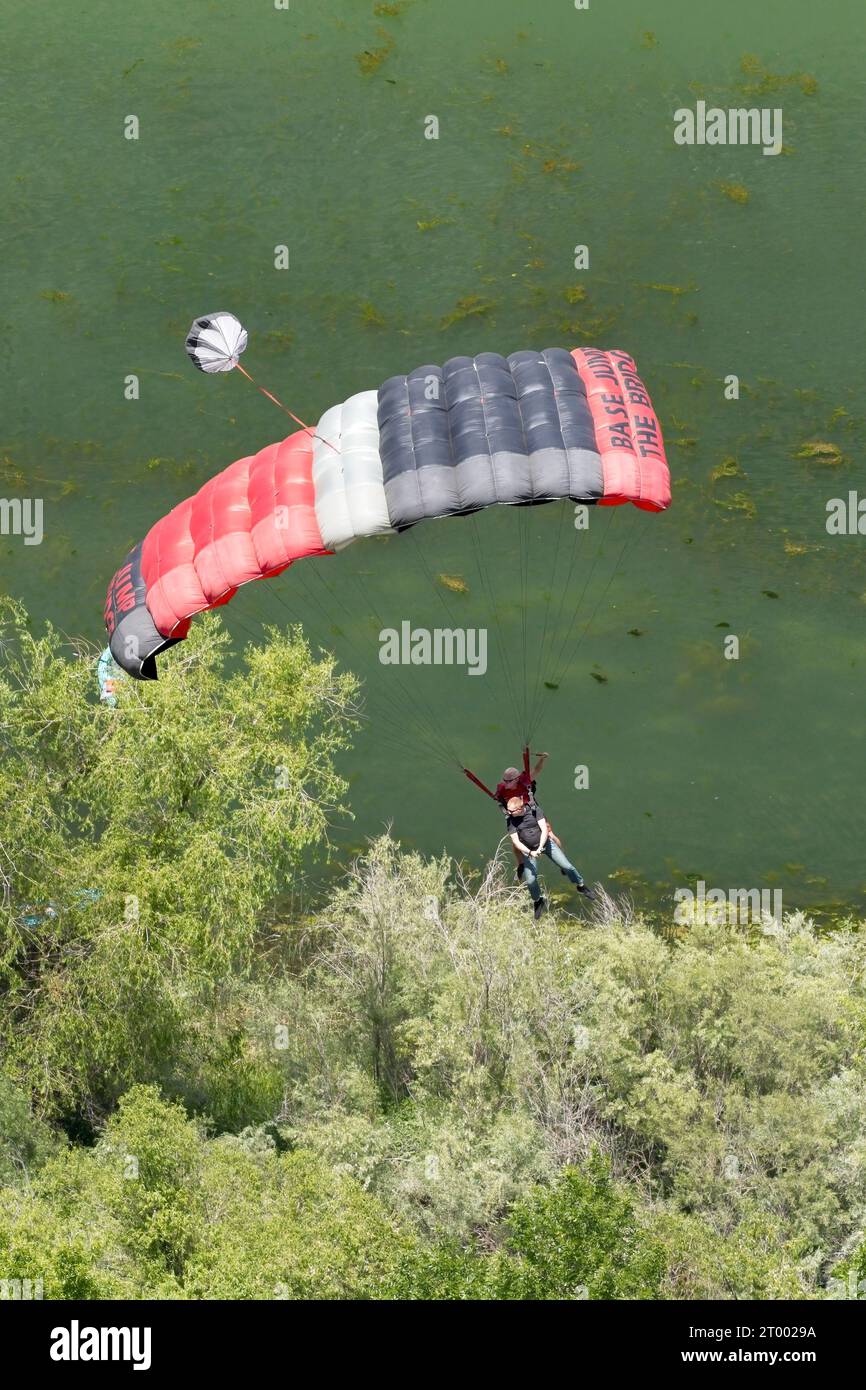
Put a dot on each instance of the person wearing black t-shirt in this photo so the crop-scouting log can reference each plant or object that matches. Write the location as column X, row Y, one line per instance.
column 522, row 784
column 530, row 835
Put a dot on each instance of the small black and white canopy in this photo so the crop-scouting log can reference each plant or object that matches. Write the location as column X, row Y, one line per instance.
column 215, row 342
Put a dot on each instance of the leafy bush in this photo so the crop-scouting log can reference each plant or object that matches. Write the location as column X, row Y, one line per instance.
column 451, row 1054
column 143, row 848
column 25, row 1141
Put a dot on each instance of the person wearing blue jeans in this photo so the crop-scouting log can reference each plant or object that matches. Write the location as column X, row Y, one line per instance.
column 530, row 835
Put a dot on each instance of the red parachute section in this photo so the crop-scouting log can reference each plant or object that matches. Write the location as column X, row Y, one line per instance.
column 249, row 522
column 627, row 431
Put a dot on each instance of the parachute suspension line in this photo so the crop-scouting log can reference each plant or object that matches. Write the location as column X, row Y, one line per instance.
column 488, row 591
column 309, row 428
column 454, row 619
column 402, row 744
column 541, row 652
column 415, row 701
column 523, row 536
column 394, row 715
column 627, row 540
column 255, row 637
column 603, row 594
column 398, row 713
column 299, row 578
column 450, row 613
column 561, row 648
column 559, row 643
column 438, row 728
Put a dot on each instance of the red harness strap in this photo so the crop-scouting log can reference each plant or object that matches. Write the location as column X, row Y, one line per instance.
column 479, row 783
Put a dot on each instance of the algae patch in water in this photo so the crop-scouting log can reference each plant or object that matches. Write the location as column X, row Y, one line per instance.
column 370, row 315
column 762, row 82
column 728, row 468
column 470, row 306
column 822, row 451
column 184, row 44
column 675, row 290
column 428, row 226
column 454, row 583
column 738, row 502
column 630, row 878
column 735, row 192
column 371, row 59
column 560, row 166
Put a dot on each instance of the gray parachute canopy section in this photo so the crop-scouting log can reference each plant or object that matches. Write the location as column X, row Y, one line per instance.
column 446, row 441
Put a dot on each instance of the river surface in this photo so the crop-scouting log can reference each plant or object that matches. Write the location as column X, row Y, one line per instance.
column 305, row 127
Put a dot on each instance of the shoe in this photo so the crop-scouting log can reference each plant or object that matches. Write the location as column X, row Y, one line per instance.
column 540, row 908
column 585, row 889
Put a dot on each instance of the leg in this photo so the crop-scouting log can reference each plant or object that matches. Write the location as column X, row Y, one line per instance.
column 530, row 877
column 561, row 862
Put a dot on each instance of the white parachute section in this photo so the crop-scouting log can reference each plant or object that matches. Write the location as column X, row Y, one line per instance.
column 215, row 342
column 347, row 474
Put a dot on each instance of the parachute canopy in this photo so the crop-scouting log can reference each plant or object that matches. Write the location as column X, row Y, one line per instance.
column 443, row 441
column 215, row 342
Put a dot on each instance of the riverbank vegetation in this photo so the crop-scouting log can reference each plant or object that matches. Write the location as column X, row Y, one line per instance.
column 413, row 1091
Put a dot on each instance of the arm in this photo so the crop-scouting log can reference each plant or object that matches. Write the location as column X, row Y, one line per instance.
column 541, row 760
column 518, row 844
column 545, row 833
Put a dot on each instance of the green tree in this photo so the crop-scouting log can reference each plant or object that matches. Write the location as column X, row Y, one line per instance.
column 25, row 1141
column 141, row 846
column 579, row 1238
column 156, row 1210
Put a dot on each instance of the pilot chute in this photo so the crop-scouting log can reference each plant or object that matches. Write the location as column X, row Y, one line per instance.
column 215, row 342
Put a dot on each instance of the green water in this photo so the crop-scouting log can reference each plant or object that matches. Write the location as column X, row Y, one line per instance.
column 260, row 127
